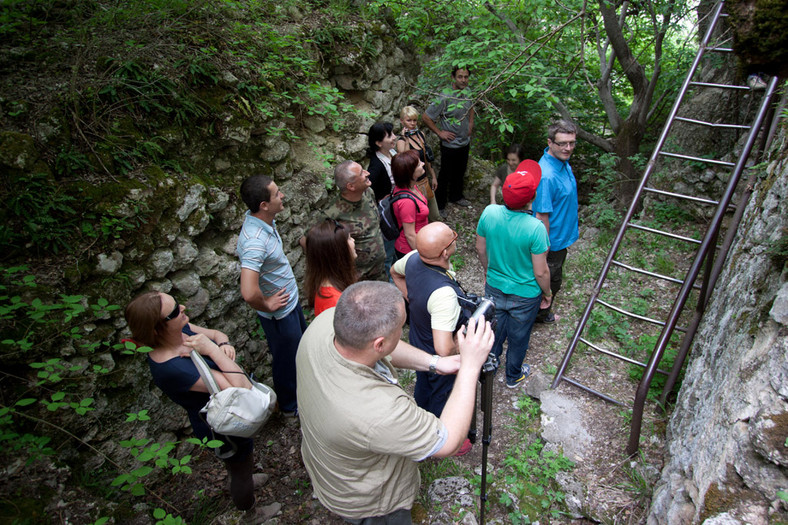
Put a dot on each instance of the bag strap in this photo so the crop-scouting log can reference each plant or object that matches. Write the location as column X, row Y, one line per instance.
column 405, row 194
column 205, row 372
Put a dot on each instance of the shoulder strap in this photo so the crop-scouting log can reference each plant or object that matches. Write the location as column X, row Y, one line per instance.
column 405, row 194
column 205, row 372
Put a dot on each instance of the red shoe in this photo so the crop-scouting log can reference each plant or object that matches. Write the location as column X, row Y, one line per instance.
column 465, row 448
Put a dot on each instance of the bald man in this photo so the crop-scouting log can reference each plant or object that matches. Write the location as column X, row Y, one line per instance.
column 431, row 290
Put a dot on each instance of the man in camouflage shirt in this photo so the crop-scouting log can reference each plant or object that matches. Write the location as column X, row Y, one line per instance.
column 355, row 208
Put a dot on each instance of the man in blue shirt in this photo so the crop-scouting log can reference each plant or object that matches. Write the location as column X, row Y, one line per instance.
column 269, row 286
column 556, row 203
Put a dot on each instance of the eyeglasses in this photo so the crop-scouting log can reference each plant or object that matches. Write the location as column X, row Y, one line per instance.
column 452, row 240
column 175, row 313
column 569, row 144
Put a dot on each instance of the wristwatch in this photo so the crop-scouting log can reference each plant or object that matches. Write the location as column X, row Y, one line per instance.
column 434, row 363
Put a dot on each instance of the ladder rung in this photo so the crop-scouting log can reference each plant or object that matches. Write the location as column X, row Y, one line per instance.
column 698, row 159
column 651, row 274
column 721, row 86
column 636, row 316
column 720, row 49
column 591, row 391
column 630, row 314
column 666, row 234
column 712, row 124
column 681, row 196
column 618, row 356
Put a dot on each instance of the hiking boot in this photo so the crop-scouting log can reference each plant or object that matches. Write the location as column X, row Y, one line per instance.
column 443, row 213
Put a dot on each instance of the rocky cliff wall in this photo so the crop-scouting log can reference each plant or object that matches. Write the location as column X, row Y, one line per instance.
column 728, row 436
column 187, row 224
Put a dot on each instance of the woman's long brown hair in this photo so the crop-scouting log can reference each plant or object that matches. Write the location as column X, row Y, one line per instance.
column 328, row 258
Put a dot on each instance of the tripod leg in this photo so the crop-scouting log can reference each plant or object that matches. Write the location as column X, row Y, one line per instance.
column 486, row 380
column 474, row 427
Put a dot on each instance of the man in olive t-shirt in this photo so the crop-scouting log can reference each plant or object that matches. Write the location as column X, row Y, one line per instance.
column 362, row 433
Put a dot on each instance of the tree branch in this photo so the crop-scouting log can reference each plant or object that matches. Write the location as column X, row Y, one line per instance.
column 632, row 68
column 596, row 140
column 506, row 20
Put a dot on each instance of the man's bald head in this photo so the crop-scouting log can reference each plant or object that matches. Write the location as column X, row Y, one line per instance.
column 433, row 239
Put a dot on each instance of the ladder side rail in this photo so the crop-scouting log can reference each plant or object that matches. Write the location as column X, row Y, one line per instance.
column 678, row 305
column 703, row 301
column 631, row 211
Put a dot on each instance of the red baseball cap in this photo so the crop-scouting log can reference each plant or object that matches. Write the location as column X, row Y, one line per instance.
column 519, row 188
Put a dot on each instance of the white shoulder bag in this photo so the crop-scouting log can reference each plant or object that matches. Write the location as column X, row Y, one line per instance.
column 235, row 411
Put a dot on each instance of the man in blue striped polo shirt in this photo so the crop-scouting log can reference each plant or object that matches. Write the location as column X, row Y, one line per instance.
column 268, row 284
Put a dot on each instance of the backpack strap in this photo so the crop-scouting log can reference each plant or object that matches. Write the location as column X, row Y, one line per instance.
column 406, row 194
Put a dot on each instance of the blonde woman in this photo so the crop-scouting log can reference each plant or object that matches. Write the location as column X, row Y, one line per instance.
column 412, row 138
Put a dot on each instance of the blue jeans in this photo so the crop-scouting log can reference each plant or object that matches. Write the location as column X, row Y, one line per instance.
column 515, row 316
column 283, row 336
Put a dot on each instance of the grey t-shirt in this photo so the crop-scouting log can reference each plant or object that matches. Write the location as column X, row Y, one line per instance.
column 502, row 172
column 452, row 112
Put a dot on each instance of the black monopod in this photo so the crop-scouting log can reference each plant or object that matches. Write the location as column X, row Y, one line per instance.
column 485, row 311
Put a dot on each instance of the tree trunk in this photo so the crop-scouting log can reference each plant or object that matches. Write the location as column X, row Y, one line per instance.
column 627, row 144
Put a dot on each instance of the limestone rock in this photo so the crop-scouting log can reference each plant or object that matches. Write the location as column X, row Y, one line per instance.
column 562, row 423
column 206, row 262
column 109, row 264
column 454, row 490
column 186, row 282
column 161, row 263
column 184, row 251
column 274, row 150
column 17, row 151
column 779, row 311
column 191, row 201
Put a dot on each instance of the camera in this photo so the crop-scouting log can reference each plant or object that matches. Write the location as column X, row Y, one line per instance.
column 481, row 309
column 474, row 307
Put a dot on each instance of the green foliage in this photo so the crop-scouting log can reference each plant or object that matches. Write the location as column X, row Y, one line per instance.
column 33, row 399
column 604, row 214
column 643, row 346
column 38, row 214
column 530, row 473
column 528, row 410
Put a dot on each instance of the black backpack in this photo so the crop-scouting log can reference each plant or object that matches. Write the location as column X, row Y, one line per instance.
column 389, row 226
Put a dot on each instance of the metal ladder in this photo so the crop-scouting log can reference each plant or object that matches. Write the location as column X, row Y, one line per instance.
column 705, row 252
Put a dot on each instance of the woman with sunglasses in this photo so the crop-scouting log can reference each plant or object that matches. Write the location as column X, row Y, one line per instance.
column 157, row 320
column 330, row 264
column 412, row 212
